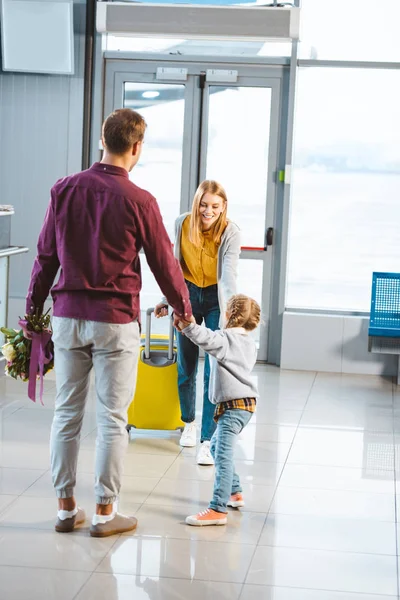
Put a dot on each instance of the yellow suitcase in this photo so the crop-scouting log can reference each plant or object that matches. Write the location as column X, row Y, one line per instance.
column 156, row 401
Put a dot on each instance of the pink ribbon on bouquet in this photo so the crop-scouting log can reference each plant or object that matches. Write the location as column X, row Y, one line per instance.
column 38, row 358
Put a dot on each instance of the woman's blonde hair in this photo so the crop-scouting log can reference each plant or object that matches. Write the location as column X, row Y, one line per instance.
column 207, row 187
column 243, row 311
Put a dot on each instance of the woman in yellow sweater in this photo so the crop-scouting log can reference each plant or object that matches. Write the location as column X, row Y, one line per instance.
column 207, row 246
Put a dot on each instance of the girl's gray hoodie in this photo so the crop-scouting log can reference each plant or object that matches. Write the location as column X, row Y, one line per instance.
column 233, row 354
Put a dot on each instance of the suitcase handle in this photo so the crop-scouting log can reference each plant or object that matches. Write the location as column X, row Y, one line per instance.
column 149, row 312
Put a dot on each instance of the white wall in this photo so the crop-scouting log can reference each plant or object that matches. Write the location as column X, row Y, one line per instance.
column 40, row 141
column 337, row 344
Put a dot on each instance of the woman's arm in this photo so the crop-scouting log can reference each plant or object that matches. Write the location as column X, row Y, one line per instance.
column 230, row 263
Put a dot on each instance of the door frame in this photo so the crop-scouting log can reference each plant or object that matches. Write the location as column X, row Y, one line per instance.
column 258, row 72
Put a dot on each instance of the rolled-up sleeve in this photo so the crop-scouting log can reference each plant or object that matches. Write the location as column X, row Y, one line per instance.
column 46, row 264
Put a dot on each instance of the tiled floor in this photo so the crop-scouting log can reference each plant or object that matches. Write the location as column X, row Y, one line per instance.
column 319, row 464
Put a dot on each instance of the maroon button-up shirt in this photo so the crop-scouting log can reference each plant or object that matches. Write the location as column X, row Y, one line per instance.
column 96, row 224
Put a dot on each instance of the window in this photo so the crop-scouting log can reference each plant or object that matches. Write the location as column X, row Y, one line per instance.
column 160, row 166
column 197, row 47
column 365, row 30
column 345, row 210
column 237, row 154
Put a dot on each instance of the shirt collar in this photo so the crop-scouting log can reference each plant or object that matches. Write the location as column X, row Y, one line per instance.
column 210, row 232
column 110, row 169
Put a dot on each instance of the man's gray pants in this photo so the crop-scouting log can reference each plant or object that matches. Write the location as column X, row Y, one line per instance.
column 113, row 351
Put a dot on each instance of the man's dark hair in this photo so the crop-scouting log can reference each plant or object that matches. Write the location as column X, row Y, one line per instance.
column 122, row 129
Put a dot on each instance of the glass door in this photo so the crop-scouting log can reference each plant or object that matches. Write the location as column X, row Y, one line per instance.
column 160, row 167
column 198, row 128
column 164, row 165
column 239, row 147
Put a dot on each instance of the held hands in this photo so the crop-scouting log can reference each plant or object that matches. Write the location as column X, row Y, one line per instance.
column 161, row 310
column 181, row 323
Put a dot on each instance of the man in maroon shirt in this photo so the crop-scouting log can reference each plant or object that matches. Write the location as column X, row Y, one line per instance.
column 96, row 224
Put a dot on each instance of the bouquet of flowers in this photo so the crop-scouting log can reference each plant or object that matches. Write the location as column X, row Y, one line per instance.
column 29, row 351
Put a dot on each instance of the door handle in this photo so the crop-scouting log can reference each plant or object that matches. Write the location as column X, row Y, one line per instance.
column 269, row 237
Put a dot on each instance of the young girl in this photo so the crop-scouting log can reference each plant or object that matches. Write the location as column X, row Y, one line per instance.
column 233, row 355
column 207, row 246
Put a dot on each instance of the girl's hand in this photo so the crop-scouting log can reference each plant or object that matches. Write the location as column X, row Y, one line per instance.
column 161, row 310
column 182, row 324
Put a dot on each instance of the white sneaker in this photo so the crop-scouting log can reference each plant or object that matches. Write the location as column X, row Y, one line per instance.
column 188, row 437
column 204, row 456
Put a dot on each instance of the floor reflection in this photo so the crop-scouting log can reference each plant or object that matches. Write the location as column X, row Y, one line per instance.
column 319, row 465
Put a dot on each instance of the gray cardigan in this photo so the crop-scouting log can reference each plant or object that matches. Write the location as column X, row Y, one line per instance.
column 227, row 261
column 233, row 354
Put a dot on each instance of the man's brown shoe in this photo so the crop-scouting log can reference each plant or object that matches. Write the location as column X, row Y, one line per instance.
column 68, row 525
column 119, row 524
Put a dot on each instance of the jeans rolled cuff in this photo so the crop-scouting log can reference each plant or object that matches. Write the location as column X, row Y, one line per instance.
column 218, row 507
column 237, row 490
column 106, row 499
column 65, row 493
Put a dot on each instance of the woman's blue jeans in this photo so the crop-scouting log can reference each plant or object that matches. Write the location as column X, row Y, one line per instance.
column 205, row 308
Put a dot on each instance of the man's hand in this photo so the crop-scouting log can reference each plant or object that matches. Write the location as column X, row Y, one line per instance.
column 161, row 310
column 28, row 334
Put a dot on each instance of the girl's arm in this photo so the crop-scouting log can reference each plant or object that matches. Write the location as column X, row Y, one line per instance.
column 213, row 342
